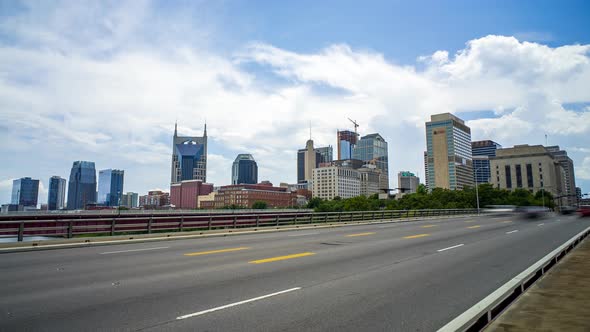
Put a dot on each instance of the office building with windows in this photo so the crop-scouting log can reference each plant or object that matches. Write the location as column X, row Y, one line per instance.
column 130, row 200
column 336, row 181
column 183, row 195
column 155, row 199
column 323, row 155
column 346, row 142
column 569, row 180
column 82, row 185
column 189, row 157
column 408, row 182
column 25, row 192
column 448, row 142
column 244, row 170
column 530, row 167
column 481, row 152
column 372, row 149
column 56, row 198
column 110, row 187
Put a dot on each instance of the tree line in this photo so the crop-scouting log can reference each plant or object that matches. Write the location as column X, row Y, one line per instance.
column 438, row 198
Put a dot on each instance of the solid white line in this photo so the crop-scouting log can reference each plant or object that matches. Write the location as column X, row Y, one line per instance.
column 453, row 247
column 236, row 303
column 131, row 250
column 514, row 231
column 541, row 224
column 304, row 234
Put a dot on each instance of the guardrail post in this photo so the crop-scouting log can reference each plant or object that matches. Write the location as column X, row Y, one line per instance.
column 326, row 217
column 181, row 225
column 351, row 216
column 210, row 222
column 70, row 229
column 257, row 220
column 362, row 216
column 21, row 231
column 295, row 220
column 277, row 220
column 113, row 226
column 339, row 216
column 150, row 225
column 235, row 221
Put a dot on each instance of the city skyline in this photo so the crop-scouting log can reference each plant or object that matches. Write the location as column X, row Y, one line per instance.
column 512, row 96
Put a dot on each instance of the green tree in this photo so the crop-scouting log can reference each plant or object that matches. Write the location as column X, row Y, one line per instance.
column 260, row 205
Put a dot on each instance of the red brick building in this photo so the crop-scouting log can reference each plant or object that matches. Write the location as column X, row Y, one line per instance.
column 154, row 199
column 244, row 195
column 183, row 195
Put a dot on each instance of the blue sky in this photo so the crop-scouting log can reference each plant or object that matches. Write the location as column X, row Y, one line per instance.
column 105, row 81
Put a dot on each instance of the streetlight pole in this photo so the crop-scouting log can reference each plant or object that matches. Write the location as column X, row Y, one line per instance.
column 476, row 190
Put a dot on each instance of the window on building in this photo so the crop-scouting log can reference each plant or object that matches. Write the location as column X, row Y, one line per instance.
column 518, row 176
column 508, row 177
column 529, row 175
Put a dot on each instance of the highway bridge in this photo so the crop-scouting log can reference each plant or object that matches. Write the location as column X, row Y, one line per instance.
column 386, row 276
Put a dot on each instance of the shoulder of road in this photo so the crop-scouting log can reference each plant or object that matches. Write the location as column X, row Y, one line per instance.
column 557, row 302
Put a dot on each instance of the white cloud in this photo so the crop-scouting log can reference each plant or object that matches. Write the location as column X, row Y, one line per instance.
column 111, row 94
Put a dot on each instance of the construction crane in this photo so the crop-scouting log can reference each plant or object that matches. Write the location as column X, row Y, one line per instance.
column 356, row 125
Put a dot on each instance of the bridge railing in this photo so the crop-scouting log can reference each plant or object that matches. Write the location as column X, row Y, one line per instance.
column 68, row 226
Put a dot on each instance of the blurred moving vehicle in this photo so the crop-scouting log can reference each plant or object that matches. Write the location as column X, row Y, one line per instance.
column 567, row 209
column 499, row 209
column 584, row 211
column 532, row 211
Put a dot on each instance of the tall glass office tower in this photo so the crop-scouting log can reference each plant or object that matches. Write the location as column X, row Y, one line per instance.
column 56, row 198
column 372, row 149
column 482, row 151
column 448, row 142
column 110, row 187
column 346, row 142
column 82, row 186
column 189, row 157
column 25, row 192
column 244, row 170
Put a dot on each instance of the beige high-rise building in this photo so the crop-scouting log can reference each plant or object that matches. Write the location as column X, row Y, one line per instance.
column 332, row 181
column 530, row 167
column 449, row 160
column 310, row 162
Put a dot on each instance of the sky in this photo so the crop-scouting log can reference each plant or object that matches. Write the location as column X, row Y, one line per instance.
column 105, row 81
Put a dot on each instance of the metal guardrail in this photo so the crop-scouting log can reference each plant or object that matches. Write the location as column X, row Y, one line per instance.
column 484, row 312
column 69, row 226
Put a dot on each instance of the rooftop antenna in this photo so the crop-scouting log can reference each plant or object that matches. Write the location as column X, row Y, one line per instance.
column 310, row 130
column 356, row 125
column 546, row 140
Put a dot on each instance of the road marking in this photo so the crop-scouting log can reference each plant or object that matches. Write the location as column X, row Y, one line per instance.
column 428, row 226
column 514, row 231
column 453, row 247
column 237, row 303
column 304, row 234
column 215, row 251
column 280, row 258
column 360, row 234
column 469, row 220
column 541, row 224
column 477, row 226
column 416, row 236
column 506, row 221
column 131, row 250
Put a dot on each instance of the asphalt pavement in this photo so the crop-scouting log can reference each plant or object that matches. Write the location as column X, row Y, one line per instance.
column 410, row 276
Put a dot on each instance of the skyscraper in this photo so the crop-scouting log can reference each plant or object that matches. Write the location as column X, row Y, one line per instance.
column 482, row 151
column 448, row 142
column 346, row 141
column 82, row 186
column 25, row 192
column 130, row 200
column 372, row 149
column 110, row 186
column 244, row 170
column 189, row 157
column 408, row 182
column 56, row 199
column 322, row 155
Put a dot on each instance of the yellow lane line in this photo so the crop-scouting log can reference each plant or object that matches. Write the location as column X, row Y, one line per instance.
column 469, row 220
column 215, row 251
column 428, row 226
column 280, row 258
column 506, row 221
column 474, row 226
column 360, row 234
column 416, row 236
